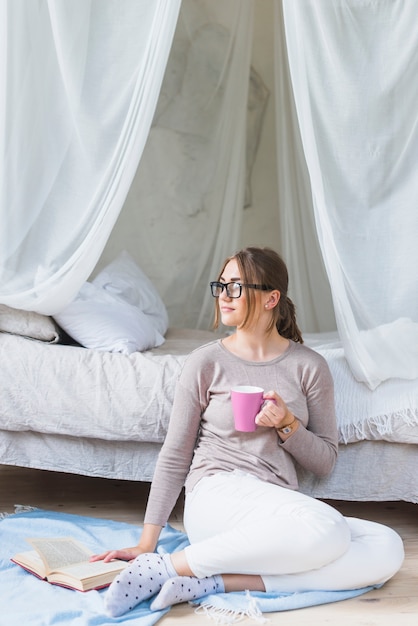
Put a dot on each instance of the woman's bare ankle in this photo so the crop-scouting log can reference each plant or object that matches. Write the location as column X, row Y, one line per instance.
column 241, row 582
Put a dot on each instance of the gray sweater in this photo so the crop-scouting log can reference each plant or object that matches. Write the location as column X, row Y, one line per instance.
column 202, row 440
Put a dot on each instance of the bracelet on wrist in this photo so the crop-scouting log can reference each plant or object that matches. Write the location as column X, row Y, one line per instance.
column 286, row 430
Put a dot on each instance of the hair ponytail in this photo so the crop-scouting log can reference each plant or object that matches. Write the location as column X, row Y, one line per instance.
column 286, row 324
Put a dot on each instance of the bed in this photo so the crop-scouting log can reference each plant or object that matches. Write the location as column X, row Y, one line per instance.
column 81, row 410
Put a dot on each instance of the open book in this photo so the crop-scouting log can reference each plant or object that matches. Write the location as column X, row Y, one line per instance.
column 65, row 561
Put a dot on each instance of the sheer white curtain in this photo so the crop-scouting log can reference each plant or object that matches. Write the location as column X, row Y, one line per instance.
column 183, row 213
column 79, row 83
column 354, row 67
column 308, row 283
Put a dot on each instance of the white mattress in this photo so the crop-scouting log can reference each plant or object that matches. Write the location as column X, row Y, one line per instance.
column 65, row 390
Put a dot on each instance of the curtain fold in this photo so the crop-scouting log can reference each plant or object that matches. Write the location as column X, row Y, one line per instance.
column 79, row 83
column 184, row 210
column 83, row 100
column 226, row 200
column 353, row 67
column 308, row 283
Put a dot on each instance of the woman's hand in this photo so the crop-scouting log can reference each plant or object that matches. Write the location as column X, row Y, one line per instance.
column 274, row 412
column 124, row 554
column 147, row 543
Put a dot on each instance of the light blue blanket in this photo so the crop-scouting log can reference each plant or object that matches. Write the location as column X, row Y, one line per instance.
column 33, row 602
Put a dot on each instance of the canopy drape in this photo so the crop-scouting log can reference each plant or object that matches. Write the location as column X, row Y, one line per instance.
column 83, row 101
column 184, row 211
column 308, row 283
column 79, row 83
column 353, row 67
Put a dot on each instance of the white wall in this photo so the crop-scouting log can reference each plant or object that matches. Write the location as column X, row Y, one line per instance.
column 260, row 220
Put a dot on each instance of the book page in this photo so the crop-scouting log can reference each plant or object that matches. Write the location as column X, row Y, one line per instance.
column 32, row 560
column 60, row 552
column 87, row 570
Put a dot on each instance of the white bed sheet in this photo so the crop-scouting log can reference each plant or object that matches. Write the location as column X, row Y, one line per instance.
column 65, row 390
column 388, row 413
column 79, row 392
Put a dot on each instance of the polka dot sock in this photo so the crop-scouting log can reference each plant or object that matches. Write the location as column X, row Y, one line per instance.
column 140, row 580
column 185, row 588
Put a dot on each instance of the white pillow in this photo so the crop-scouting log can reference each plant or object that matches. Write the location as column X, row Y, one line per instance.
column 97, row 319
column 125, row 280
column 28, row 324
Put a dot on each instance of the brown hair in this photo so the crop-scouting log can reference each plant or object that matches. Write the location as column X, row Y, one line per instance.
column 264, row 266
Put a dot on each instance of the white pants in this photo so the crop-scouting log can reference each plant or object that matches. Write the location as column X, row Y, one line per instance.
column 239, row 524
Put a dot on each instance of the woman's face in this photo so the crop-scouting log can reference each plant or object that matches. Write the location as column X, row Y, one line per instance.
column 232, row 310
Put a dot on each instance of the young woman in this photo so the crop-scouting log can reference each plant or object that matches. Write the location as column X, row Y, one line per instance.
column 248, row 526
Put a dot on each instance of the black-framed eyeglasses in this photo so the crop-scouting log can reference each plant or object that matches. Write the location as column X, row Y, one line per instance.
column 233, row 290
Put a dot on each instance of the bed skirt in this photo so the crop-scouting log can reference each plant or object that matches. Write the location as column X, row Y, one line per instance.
column 365, row 471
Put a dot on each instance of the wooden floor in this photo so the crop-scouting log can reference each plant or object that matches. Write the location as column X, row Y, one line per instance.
column 395, row 604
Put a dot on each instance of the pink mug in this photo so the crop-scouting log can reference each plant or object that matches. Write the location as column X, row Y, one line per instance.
column 246, row 403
